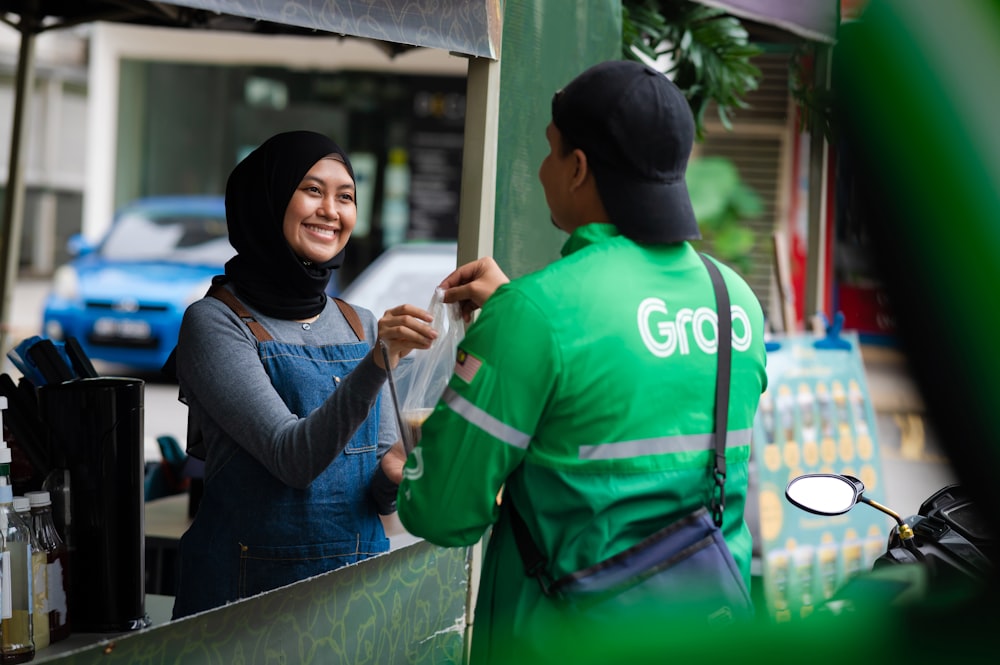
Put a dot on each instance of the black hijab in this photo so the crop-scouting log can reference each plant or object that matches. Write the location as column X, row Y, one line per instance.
column 265, row 271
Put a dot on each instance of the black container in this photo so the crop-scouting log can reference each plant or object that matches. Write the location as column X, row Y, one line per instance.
column 95, row 430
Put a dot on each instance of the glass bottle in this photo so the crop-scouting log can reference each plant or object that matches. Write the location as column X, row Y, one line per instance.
column 39, row 581
column 17, row 645
column 57, row 568
column 57, row 484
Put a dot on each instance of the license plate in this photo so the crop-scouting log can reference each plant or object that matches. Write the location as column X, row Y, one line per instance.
column 121, row 328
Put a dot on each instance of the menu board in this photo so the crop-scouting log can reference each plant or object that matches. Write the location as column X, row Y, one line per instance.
column 435, row 154
column 815, row 417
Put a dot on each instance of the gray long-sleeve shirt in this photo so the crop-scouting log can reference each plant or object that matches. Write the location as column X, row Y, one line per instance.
column 231, row 401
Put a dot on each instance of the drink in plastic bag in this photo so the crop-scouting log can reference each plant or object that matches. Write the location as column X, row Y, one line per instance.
column 413, row 421
column 425, row 375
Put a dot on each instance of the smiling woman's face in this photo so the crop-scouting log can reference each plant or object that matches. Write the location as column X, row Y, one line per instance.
column 322, row 212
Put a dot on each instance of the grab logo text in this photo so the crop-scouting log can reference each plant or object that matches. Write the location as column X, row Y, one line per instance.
column 664, row 336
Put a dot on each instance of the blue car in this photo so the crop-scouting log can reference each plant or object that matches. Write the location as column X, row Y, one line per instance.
column 124, row 298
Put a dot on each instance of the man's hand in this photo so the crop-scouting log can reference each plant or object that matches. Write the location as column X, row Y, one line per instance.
column 402, row 329
column 393, row 461
column 472, row 284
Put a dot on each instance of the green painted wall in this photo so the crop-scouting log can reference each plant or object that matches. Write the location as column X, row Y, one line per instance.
column 545, row 44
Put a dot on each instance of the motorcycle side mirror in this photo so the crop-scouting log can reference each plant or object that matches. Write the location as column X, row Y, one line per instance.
column 824, row 493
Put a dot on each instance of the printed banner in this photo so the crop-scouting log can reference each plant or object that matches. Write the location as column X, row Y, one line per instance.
column 815, row 417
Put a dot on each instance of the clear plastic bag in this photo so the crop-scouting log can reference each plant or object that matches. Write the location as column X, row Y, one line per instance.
column 422, row 376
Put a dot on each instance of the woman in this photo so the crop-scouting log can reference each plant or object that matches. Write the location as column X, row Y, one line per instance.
column 284, row 396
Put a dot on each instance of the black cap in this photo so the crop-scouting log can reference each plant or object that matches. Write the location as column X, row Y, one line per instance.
column 636, row 128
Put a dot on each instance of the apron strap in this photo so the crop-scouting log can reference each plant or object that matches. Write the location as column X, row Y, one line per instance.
column 352, row 318
column 225, row 295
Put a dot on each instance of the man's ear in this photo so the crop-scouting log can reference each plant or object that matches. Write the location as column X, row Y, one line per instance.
column 581, row 169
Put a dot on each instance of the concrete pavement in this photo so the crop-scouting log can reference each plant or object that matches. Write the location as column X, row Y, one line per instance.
column 27, row 300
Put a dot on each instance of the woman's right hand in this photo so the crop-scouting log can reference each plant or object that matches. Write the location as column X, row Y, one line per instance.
column 402, row 329
column 472, row 284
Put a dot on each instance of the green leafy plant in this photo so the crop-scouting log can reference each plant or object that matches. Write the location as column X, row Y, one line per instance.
column 814, row 103
column 708, row 51
column 722, row 202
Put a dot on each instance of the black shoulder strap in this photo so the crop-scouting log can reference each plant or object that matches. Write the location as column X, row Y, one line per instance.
column 225, row 295
column 724, row 360
column 535, row 564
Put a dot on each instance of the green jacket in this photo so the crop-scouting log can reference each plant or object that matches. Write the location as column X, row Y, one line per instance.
column 587, row 389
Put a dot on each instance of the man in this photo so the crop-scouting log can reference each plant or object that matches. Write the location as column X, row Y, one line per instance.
column 586, row 390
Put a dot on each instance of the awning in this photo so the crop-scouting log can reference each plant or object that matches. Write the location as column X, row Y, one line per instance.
column 471, row 27
column 815, row 20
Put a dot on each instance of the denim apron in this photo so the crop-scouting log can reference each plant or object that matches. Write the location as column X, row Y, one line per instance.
column 252, row 532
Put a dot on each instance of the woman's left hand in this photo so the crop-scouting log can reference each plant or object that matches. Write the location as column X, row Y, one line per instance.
column 402, row 329
column 393, row 461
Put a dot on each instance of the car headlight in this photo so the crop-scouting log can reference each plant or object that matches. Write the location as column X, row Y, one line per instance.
column 66, row 283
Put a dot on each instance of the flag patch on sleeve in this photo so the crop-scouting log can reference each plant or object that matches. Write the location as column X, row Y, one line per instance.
column 466, row 366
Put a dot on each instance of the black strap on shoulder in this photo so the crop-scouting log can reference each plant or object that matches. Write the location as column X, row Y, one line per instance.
column 724, row 360
column 535, row 564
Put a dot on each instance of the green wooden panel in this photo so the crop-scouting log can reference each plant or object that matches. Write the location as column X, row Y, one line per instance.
column 406, row 606
column 545, row 44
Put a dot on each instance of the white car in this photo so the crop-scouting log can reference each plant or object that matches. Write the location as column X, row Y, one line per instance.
column 405, row 273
